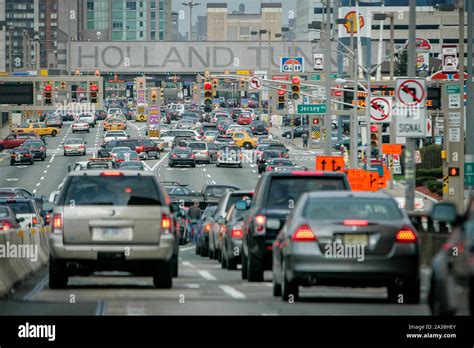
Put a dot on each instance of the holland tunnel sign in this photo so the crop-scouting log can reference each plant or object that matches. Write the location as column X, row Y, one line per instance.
column 162, row 56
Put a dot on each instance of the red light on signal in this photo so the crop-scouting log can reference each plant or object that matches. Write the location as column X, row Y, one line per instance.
column 47, row 88
column 94, row 88
column 374, row 129
column 453, row 171
column 315, row 120
column 281, row 92
column 207, row 86
column 295, row 80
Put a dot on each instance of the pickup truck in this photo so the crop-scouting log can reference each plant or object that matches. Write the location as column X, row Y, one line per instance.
column 36, row 127
column 275, row 196
column 16, row 139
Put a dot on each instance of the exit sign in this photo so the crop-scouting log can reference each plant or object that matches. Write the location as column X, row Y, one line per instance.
column 312, row 109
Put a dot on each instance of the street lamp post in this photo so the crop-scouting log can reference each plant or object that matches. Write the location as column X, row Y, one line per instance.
column 190, row 4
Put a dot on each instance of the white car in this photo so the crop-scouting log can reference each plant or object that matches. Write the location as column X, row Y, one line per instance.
column 74, row 146
column 235, row 128
column 89, row 118
column 168, row 136
column 80, row 126
column 115, row 134
column 25, row 208
column 118, row 149
column 113, row 111
column 177, row 108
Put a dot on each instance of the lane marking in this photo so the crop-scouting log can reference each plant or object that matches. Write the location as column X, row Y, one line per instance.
column 34, row 191
column 101, row 308
column 187, row 248
column 52, row 158
column 45, row 171
column 37, row 184
column 213, row 182
column 48, row 166
column 208, row 175
column 206, row 275
column 192, row 286
column 161, row 161
column 232, row 292
column 254, row 171
column 12, row 179
column 42, row 178
column 39, row 287
column 188, row 264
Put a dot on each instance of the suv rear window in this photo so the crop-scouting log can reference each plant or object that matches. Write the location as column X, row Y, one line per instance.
column 197, row 146
column 20, row 207
column 285, row 191
column 116, row 191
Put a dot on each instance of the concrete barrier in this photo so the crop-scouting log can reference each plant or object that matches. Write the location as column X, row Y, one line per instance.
column 22, row 252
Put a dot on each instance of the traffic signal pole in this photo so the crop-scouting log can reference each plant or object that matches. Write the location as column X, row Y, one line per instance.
column 327, row 77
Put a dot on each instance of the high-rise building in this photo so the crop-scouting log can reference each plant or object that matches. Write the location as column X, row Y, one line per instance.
column 223, row 26
column 121, row 20
column 175, row 35
column 202, row 28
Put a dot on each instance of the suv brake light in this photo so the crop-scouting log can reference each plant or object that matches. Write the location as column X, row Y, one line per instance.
column 236, row 232
column 165, row 223
column 57, row 223
column 406, row 235
column 260, row 221
column 6, row 226
column 304, row 233
column 34, row 220
column 111, row 173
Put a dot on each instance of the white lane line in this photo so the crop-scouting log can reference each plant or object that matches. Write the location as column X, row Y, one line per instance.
column 161, row 161
column 34, row 191
column 192, row 286
column 232, row 292
column 206, row 275
column 147, row 166
column 188, row 264
column 42, row 178
column 270, row 314
column 36, row 289
column 37, row 184
column 45, row 171
column 208, row 175
column 48, row 166
column 187, row 248
column 204, row 169
column 252, row 166
column 52, row 158
column 254, row 171
column 213, row 182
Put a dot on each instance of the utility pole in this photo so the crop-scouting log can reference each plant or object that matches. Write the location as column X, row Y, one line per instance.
column 327, row 80
column 470, row 89
column 354, row 121
column 410, row 185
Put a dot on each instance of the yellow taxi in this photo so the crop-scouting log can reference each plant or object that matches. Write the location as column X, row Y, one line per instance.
column 113, row 123
column 36, row 127
column 243, row 139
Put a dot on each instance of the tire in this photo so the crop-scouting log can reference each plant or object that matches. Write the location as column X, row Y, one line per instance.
column 219, row 255
column 211, row 254
column 205, row 250
column 289, row 288
column 32, row 162
column 58, row 277
column 240, row 165
column 88, row 131
column 218, row 165
column 410, row 291
column 198, row 248
column 216, row 254
column 193, row 165
column 84, row 153
column 65, row 154
column 231, row 262
column 53, row 133
column 170, row 164
column 254, row 269
column 244, row 266
column 276, row 286
column 174, row 261
column 145, row 157
column 224, row 259
column 247, row 146
column 157, row 156
column 288, row 136
column 43, row 158
column 260, row 171
column 163, row 276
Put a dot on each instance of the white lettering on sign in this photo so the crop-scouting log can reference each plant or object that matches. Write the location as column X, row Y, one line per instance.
column 454, row 101
column 454, row 119
column 455, row 157
column 454, row 135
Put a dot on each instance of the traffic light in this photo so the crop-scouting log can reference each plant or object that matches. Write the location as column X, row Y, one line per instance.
column 453, row 171
column 374, row 140
column 295, row 87
column 48, row 94
column 281, row 99
column 97, row 73
column 77, row 73
column 63, row 85
column 207, row 96
column 154, row 95
column 215, row 83
column 315, row 121
column 242, row 84
column 93, row 92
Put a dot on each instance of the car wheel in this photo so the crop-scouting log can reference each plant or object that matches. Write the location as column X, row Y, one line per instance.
column 205, row 250
column 193, row 165
column 58, row 277
column 170, row 164
column 211, row 254
column 240, row 165
column 158, row 155
column 65, row 154
column 247, row 146
column 88, row 131
column 218, row 165
column 174, row 261
column 12, row 163
column 198, row 247
column 288, row 136
column 43, row 158
column 53, row 133
column 84, row 153
column 231, row 261
column 73, row 131
column 254, row 269
column 260, row 171
column 145, row 156
column 32, row 162
column 216, row 254
column 410, row 292
column 289, row 290
column 244, row 266
column 163, row 276
column 276, row 286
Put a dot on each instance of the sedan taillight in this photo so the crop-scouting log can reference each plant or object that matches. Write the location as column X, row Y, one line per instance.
column 34, row 220
column 304, row 233
column 236, row 232
column 6, row 226
column 406, row 235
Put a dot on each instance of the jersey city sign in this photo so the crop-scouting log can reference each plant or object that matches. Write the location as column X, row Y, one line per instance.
column 181, row 56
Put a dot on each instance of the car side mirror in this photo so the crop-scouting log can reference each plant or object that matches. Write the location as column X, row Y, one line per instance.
column 241, row 205
column 445, row 212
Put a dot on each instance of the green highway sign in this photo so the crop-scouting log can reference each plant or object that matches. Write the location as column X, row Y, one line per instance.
column 317, row 77
column 453, row 89
column 469, row 174
column 312, row 109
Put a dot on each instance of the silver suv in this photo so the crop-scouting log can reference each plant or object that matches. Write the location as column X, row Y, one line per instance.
column 111, row 220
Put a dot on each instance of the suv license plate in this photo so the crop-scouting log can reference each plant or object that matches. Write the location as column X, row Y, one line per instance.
column 112, row 233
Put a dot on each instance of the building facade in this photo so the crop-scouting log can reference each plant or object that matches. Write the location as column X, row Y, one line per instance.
column 224, row 26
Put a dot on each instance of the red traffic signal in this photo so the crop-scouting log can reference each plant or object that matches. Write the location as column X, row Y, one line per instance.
column 453, row 171
column 94, row 88
column 374, row 129
column 281, row 92
column 315, row 120
column 207, row 86
column 295, row 80
column 48, row 88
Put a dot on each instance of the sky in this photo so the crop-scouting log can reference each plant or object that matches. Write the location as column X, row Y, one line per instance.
column 251, row 6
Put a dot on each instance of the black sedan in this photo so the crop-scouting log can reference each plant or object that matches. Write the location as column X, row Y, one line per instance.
column 354, row 239
column 21, row 155
column 298, row 132
column 182, row 156
column 37, row 148
column 259, row 127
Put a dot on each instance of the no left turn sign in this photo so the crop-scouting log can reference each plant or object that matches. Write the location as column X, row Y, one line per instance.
column 411, row 92
column 381, row 109
column 255, row 82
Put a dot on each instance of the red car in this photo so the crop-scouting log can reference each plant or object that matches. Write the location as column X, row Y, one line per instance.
column 244, row 119
column 17, row 139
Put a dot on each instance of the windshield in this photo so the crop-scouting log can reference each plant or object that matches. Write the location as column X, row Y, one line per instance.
column 20, row 207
